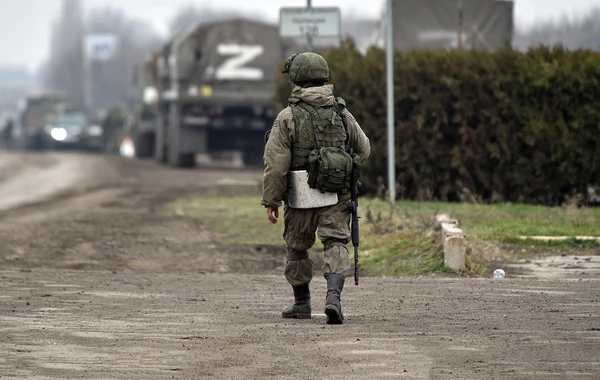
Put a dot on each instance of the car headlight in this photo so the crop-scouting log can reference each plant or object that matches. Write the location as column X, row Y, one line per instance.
column 58, row 134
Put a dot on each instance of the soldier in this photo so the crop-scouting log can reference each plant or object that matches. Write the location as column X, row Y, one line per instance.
column 8, row 133
column 314, row 132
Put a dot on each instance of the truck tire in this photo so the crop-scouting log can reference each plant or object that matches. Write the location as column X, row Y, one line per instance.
column 144, row 145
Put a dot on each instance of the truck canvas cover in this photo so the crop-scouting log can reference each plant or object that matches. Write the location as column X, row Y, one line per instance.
column 237, row 59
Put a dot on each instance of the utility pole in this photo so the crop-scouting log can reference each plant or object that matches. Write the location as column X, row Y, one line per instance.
column 87, row 77
column 390, row 104
column 460, row 25
column 309, row 32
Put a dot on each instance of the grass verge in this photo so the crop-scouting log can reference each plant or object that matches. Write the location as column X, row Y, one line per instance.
column 401, row 240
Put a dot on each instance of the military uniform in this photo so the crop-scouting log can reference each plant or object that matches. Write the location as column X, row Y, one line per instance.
column 8, row 134
column 313, row 107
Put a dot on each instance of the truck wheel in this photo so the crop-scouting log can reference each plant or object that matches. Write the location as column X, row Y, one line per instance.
column 144, row 146
column 163, row 159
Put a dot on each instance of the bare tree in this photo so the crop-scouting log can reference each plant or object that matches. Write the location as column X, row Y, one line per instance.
column 583, row 33
column 111, row 80
column 65, row 66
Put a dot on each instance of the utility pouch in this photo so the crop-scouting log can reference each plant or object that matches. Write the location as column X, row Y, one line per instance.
column 330, row 170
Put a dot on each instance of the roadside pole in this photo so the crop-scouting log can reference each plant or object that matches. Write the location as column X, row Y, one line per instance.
column 87, row 80
column 96, row 47
column 309, row 36
column 390, row 103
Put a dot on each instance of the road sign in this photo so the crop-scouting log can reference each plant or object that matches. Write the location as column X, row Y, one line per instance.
column 100, row 47
column 310, row 22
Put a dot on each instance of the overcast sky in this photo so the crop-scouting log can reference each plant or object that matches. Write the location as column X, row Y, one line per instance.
column 25, row 24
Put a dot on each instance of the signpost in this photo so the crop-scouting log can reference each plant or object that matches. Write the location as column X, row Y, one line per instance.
column 390, row 102
column 310, row 22
column 96, row 47
column 100, row 47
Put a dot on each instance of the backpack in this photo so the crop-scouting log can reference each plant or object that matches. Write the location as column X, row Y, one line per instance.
column 331, row 166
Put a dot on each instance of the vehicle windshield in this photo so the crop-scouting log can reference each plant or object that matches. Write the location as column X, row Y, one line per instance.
column 72, row 120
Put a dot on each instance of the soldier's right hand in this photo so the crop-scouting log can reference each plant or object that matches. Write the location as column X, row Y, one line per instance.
column 272, row 214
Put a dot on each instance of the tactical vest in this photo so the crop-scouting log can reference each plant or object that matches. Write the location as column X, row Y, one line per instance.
column 320, row 127
column 320, row 147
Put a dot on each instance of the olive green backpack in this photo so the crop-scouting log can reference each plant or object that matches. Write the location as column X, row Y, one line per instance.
column 321, row 147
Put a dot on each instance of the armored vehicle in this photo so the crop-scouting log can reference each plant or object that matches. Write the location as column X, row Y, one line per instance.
column 214, row 85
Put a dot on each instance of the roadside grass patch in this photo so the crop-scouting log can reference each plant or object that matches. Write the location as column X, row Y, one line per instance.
column 402, row 240
column 240, row 220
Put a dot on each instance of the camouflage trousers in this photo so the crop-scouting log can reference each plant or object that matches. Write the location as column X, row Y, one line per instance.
column 332, row 225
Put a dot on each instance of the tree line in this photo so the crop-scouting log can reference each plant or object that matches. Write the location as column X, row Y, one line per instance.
column 476, row 125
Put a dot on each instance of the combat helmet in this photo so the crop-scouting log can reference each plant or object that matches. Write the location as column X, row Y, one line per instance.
column 306, row 67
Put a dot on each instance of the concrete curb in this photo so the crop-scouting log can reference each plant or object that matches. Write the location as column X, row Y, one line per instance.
column 454, row 241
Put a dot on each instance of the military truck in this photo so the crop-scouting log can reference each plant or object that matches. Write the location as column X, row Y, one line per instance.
column 142, row 131
column 214, row 85
column 39, row 112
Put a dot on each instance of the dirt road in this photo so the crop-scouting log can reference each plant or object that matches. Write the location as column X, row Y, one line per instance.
column 96, row 283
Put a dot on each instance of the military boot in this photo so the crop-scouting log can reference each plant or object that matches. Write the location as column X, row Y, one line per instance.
column 333, row 306
column 301, row 307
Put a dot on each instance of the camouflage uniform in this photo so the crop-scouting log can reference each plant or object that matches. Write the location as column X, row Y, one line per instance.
column 8, row 134
column 332, row 223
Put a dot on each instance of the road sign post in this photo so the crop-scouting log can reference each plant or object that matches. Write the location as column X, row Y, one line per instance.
column 96, row 47
column 390, row 103
column 310, row 22
column 308, row 36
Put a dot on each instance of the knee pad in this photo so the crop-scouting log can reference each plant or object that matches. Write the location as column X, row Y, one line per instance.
column 328, row 244
column 298, row 268
column 293, row 255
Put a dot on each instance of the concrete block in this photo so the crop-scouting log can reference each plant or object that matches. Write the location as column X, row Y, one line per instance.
column 451, row 229
column 455, row 246
column 455, row 250
column 443, row 218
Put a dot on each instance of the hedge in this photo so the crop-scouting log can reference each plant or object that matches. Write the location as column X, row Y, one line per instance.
column 501, row 126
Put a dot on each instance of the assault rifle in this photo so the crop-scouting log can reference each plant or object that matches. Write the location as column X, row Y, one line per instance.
column 353, row 206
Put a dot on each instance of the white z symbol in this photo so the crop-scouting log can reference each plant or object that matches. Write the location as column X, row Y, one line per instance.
column 233, row 68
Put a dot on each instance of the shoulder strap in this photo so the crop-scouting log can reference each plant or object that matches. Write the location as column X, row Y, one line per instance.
column 339, row 106
column 295, row 118
column 338, row 110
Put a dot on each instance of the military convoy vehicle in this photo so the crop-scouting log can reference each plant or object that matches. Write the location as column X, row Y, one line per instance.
column 50, row 122
column 39, row 112
column 141, row 133
column 210, row 89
